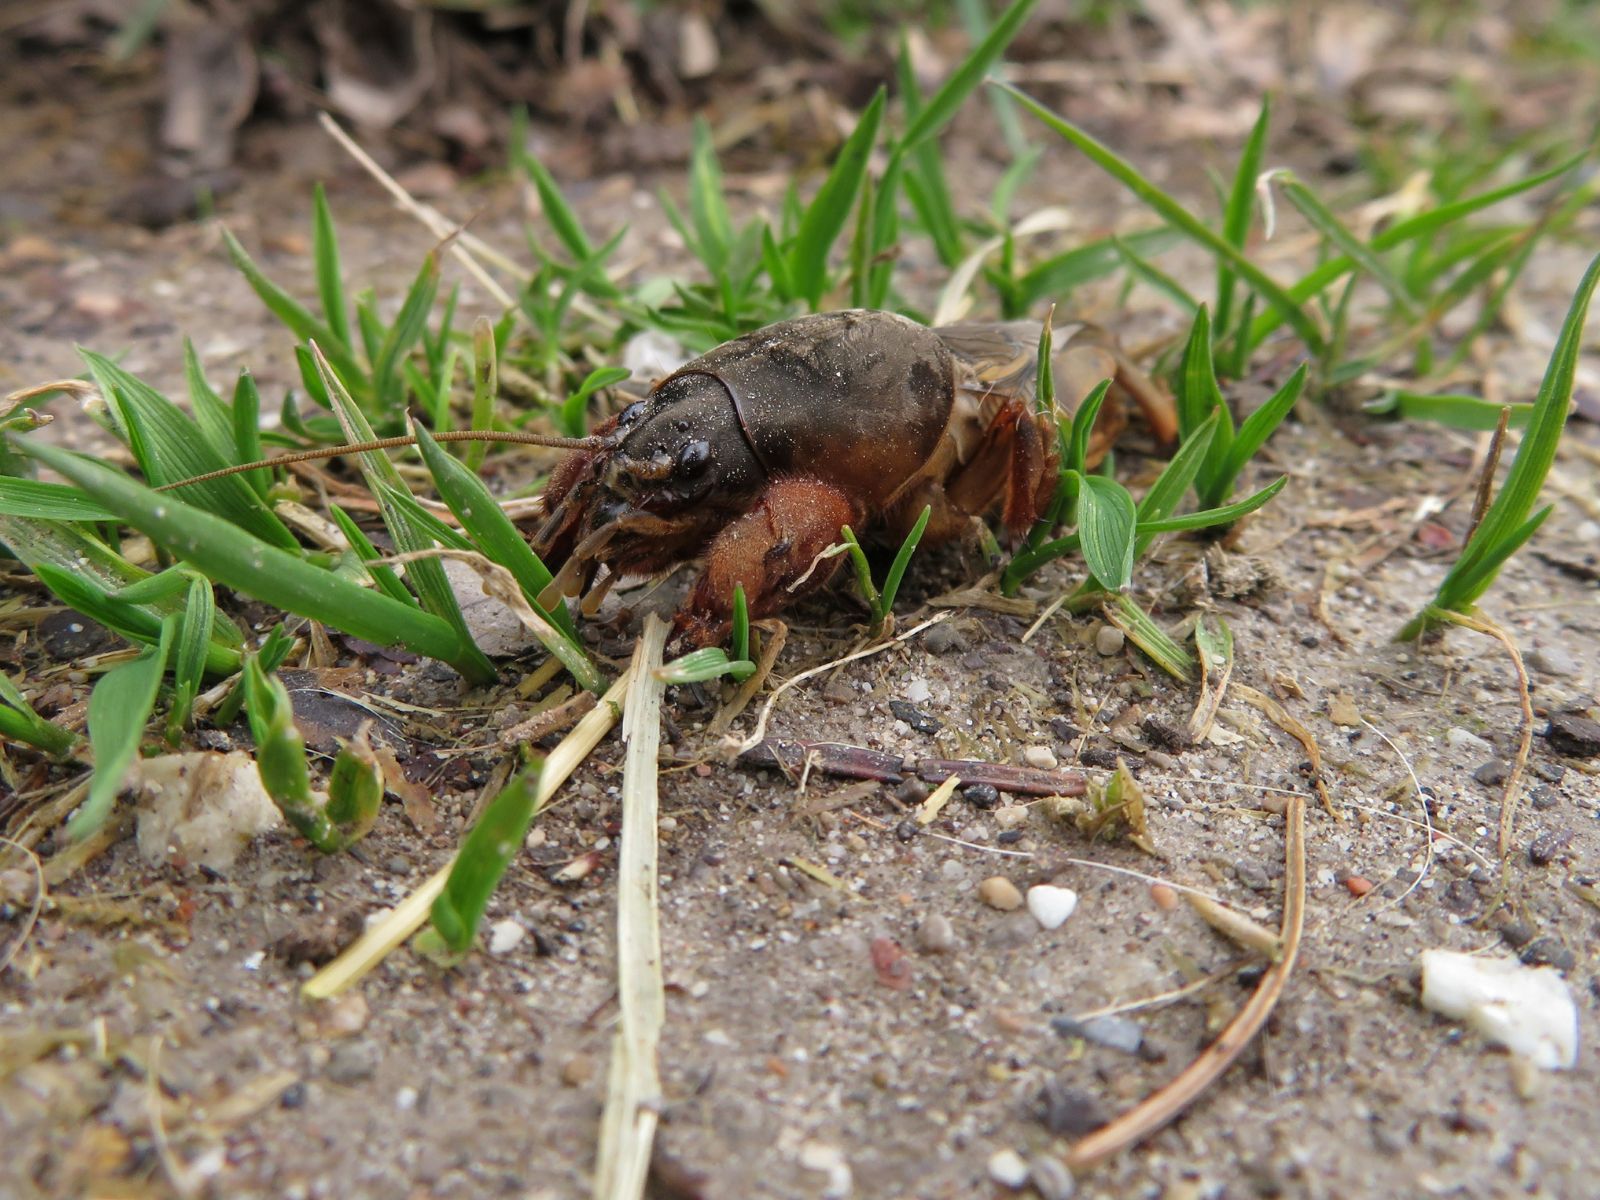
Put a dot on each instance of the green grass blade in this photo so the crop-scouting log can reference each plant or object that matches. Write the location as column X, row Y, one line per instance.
column 485, row 387
column 702, row 666
column 426, row 575
column 210, row 413
column 255, row 568
column 330, row 274
column 41, row 501
column 954, row 91
column 247, row 432
column 902, row 559
column 863, row 570
column 484, row 857
column 572, row 416
column 193, row 641
column 708, row 202
column 1260, row 425
column 740, row 639
column 1167, row 492
column 119, row 709
column 407, row 330
column 1179, row 217
column 170, row 448
column 1451, row 410
column 1422, row 225
column 1057, row 276
column 925, row 182
column 1107, row 518
column 382, row 575
column 1145, row 270
column 829, row 210
column 494, row 535
column 1236, row 211
column 1083, row 426
column 295, row 316
column 19, row 722
column 1325, row 222
column 1224, row 514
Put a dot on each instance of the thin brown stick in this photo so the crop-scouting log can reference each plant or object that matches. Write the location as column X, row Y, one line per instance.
column 1508, row 798
column 511, row 436
column 1480, row 502
column 1280, row 717
column 1162, row 1106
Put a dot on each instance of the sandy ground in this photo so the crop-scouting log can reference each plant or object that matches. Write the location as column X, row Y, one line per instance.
column 151, row 1033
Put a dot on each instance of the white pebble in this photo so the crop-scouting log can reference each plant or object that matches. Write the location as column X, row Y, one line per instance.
column 1461, row 739
column 1528, row 1010
column 1051, row 905
column 1109, row 640
column 1040, row 756
column 1008, row 1169
column 917, row 691
column 505, row 936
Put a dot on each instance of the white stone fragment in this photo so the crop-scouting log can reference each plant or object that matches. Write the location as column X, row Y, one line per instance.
column 1008, row 1169
column 1051, row 905
column 203, row 807
column 1528, row 1010
column 505, row 936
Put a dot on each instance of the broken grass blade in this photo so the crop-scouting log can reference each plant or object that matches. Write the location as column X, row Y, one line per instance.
column 1177, row 215
column 1144, row 633
column 19, row 722
column 633, row 1089
column 408, row 916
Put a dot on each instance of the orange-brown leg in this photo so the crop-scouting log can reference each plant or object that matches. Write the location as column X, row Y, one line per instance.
column 1017, row 468
column 769, row 551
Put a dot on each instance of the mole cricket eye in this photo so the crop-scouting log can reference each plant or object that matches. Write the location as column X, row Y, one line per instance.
column 632, row 413
column 694, row 458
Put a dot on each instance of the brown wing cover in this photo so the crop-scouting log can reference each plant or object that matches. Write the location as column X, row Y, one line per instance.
column 857, row 397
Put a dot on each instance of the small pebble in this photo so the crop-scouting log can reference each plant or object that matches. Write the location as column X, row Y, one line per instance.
column 1008, row 1169
column 1460, row 739
column 942, row 639
column 1547, row 847
column 1050, row 905
column 505, row 936
column 1253, row 875
column 1050, row 1178
column 830, row 1161
column 999, row 892
column 1011, row 816
column 1548, row 952
column 1573, row 735
column 1117, row 1033
column 1493, row 773
column 1357, row 885
column 353, row 1062
column 936, row 935
column 1109, row 640
column 918, row 691
column 981, row 795
column 1165, row 897
column 1041, row 757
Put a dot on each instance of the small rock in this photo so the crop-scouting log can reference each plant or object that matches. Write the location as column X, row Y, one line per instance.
column 1548, row 952
column 914, row 716
column 1516, row 934
column 1041, row 757
column 1547, row 847
column 936, row 935
column 1109, row 640
column 999, row 892
column 1493, row 773
column 942, row 639
column 1552, row 660
column 907, row 830
column 1067, row 1111
column 344, row 1016
column 1573, row 735
column 505, row 936
column 1117, row 1033
column 1166, row 898
column 1009, row 1169
column 830, row 1161
column 912, row 791
column 1550, row 772
column 1011, row 816
column 1050, row 905
column 353, row 1062
column 918, row 692
column 1357, row 885
column 1544, row 797
column 1464, row 740
column 1253, row 875
column 1051, row 1178
column 577, row 1070
column 981, row 795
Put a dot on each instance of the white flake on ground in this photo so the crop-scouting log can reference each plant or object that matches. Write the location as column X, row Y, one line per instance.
column 1528, row 1010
